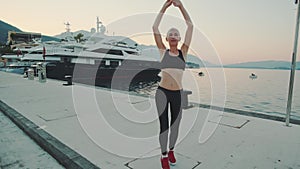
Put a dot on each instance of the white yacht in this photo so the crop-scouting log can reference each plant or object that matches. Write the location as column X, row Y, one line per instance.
column 103, row 63
column 13, row 61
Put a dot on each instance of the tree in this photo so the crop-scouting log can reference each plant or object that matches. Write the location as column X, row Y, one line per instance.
column 5, row 49
column 78, row 37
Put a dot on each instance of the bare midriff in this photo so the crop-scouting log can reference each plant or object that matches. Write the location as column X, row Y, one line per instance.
column 171, row 78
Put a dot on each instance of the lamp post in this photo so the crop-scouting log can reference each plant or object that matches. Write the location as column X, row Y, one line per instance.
column 293, row 67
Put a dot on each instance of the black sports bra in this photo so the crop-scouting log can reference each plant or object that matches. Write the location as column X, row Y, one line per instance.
column 176, row 62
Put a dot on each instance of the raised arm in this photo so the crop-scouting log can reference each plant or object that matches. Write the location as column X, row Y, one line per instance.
column 157, row 35
column 188, row 34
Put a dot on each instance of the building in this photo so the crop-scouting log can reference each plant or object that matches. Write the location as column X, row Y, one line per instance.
column 22, row 37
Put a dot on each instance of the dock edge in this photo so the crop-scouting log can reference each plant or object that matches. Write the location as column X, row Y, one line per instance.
column 66, row 156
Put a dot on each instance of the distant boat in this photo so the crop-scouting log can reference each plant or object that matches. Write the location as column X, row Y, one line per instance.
column 201, row 74
column 253, row 76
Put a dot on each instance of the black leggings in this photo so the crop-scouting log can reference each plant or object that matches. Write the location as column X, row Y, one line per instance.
column 163, row 98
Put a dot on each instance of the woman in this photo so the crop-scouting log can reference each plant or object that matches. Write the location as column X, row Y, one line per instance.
column 170, row 86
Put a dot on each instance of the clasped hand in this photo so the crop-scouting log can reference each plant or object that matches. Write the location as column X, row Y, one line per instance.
column 176, row 3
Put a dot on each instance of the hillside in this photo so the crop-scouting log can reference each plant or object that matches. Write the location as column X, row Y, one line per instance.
column 5, row 27
column 269, row 64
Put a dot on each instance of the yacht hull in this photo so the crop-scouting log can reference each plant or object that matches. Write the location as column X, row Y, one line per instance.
column 124, row 75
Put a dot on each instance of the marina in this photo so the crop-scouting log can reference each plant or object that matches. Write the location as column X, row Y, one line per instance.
column 68, row 113
column 100, row 60
column 97, row 99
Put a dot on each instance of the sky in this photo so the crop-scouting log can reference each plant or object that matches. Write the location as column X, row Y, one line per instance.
column 238, row 30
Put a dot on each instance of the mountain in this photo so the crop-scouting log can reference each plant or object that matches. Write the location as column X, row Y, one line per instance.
column 49, row 38
column 269, row 64
column 201, row 63
column 4, row 28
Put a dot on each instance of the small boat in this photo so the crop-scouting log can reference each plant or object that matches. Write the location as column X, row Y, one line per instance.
column 253, row 76
column 201, row 74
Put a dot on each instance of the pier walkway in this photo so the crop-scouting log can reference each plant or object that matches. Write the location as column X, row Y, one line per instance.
column 90, row 127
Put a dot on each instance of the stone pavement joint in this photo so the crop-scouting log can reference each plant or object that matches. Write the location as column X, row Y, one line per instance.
column 247, row 113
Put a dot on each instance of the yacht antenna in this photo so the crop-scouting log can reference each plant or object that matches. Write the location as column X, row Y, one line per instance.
column 68, row 26
column 98, row 24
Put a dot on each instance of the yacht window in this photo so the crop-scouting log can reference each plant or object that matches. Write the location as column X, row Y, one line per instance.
column 109, row 51
column 37, row 52
column 114, row 63
column 131, row 52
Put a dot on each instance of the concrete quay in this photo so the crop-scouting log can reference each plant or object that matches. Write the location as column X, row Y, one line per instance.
column 17, row 150
column 89, row 127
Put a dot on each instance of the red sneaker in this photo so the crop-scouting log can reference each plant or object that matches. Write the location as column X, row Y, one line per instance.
column 172, row 158
column 165, row 163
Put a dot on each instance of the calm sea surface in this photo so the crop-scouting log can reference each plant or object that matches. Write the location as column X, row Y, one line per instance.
column 267, row 93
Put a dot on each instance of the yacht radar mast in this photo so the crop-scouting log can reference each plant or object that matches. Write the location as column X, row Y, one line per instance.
column 98, row 24
column 100, row 27
column 68, row 27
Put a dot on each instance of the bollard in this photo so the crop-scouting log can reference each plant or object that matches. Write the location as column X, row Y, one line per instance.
column 185, row 101
column 69, row 80
column 41, row 67
column 30, row 74
column 25, row 75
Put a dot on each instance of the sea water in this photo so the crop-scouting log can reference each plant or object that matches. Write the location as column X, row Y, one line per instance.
column 267, row 93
